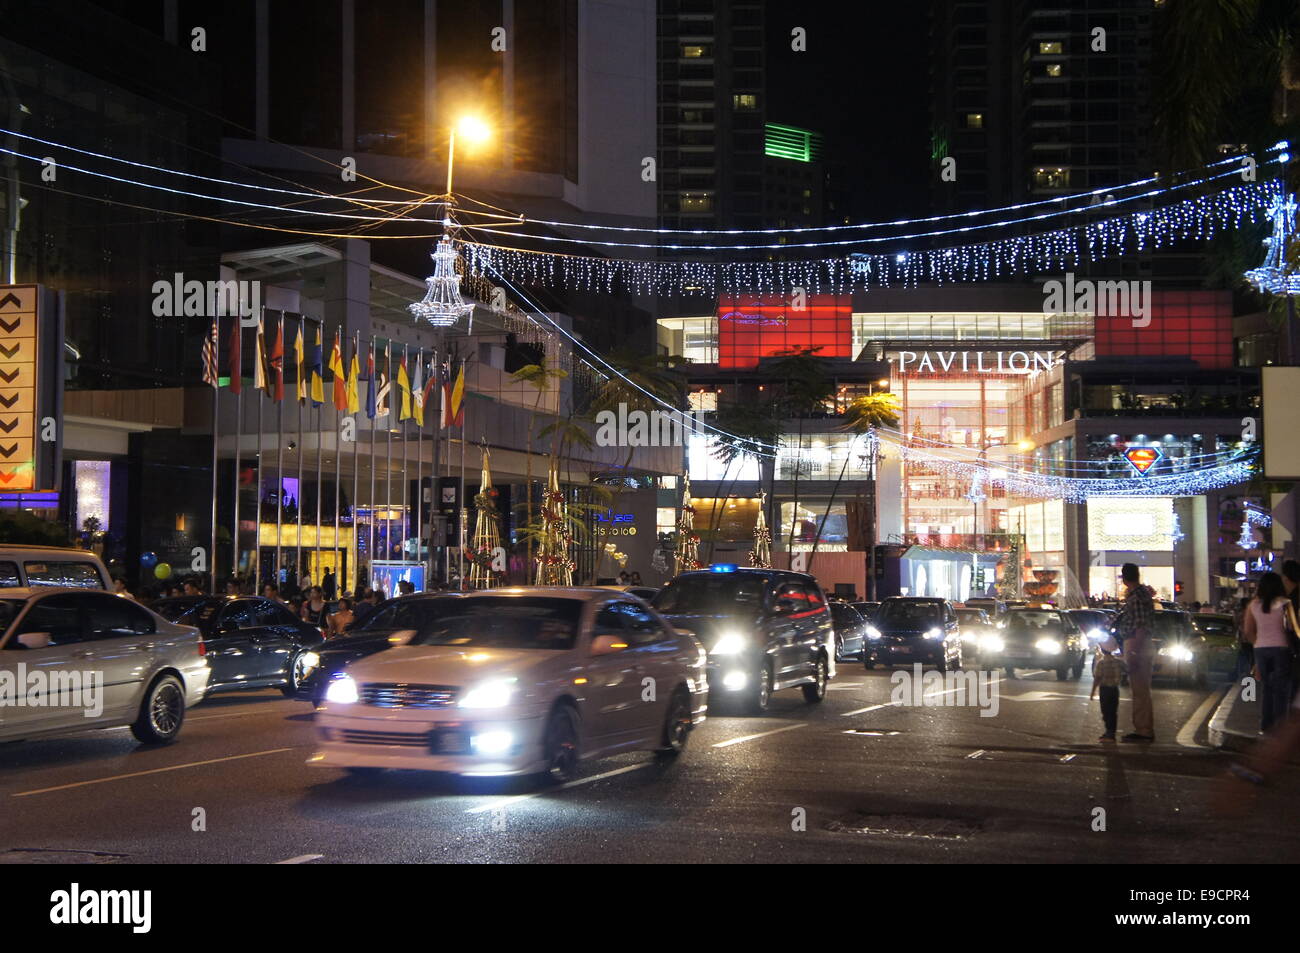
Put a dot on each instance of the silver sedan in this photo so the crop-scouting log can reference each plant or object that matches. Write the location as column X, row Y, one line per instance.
column 73, row 659
column 517, row 681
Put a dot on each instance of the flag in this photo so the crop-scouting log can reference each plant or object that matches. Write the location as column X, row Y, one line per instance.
column 300, row 354
column 340, row 376
column 236, row 344
column 372, row 387
column 428, row 387
column 404, row 385
column 211, row 376
column 354, row 373
column 417, row 392
column 263, row 375
column 458, row 399
column 277, row 363
column 317, row 371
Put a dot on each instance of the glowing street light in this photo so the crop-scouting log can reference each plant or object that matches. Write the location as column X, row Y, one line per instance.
column 474, row 131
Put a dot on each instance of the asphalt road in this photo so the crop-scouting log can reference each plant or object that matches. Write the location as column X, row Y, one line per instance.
column 871, row 781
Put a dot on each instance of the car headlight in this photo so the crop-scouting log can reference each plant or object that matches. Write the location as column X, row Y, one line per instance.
column 494, row 694
column 1179, row 652
column 310, row 660
column 1097, row 635
column 342, row 691
column 731, row 643
column 992, row 643
column 934, row 634
column 1048, row 646
column 873, row 633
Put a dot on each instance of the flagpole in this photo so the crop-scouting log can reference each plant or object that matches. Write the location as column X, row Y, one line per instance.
column 279, row 463
column 318, row 572
column 419, row 471
column 239, row 436
column 372, row 387
column 435, row 503
column 302, row 399
column 356, row 463
column 388, row 466
column 340, row 580
column 464, row 510
column 215, row 332
column 257, row 528
column 406, row 350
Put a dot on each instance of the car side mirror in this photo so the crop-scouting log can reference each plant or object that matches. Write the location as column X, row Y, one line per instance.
column 608, row 644
column 34, row 640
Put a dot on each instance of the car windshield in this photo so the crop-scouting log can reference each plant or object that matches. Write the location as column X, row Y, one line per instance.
column 1033, row 620
column 187, row 611
column 500, row 622
column 1172, row 625
column 905, row 611
column 405, row 614
column 710, row 594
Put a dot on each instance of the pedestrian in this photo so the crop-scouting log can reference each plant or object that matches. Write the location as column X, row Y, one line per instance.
column 119, row 588
column 191, row 588
column 1291, row 585
column 342, row 617
column 405, row 587
column 1135, row 623
column 1245, row 651
column 1107, row 674
column 269, row 591
column 315, row 610
column 329, row 586
column 624, row 579
column 635, row 579
column 366, row 607
column 1266, row 622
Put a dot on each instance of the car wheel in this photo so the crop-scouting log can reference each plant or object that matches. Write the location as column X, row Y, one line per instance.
column 839, row 648
column 1011, row 672
column 162, row 712
column 1062, row 673
column 297, row 675
column 815, row 692
column 677, row 724
column 761, row 696
column 867, row 663
column 561, row 746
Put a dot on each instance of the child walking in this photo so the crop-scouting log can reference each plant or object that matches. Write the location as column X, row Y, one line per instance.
column 1107, row 673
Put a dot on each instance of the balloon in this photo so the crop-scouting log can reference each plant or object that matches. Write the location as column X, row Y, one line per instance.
column 148, row 560
column 162, row 570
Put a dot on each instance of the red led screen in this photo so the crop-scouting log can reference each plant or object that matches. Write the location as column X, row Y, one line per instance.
column 751, row 327
column 1195, row 324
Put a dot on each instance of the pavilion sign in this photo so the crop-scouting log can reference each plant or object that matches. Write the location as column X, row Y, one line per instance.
column 976, row 362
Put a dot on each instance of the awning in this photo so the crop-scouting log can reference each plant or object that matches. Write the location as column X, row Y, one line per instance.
column 952, row 555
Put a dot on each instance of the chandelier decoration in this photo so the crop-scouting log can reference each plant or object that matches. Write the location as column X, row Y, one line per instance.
column 442, row 305
column 761, row 555
column 686, row 556
column 1275, row 275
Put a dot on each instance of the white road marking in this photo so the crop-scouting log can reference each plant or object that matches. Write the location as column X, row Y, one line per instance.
column 484, row 808
column 1187, row 734
column 851, row 686
column 1067, row 758
column 976, row 754
column 860, row 711
column 301, row 859
column 140, row 774
column 761, row 734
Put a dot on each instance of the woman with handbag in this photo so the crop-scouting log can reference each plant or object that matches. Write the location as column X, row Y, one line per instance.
column 1266, row 629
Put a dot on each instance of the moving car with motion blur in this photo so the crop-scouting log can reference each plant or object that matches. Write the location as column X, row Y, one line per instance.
column 377, row 633
column 251, row 642
column 974, row 625
column 910, row 629
column 1221, row 640
column 850, row 631
column 1181, row 653
column 34, row 567
column 1036, row 638
column 766, row 630
column 518, row 681
column 103, row 662
column 993, row 607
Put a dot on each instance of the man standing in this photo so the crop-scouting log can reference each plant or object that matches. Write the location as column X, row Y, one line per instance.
column 1135, row 623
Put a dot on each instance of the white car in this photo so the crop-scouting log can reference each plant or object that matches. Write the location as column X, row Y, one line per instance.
column 73, row 659
column 515, row 682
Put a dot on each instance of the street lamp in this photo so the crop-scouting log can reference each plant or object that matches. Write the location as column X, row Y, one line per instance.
column 472, row 129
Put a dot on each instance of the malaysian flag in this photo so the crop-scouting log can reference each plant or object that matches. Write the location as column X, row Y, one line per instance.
column 210, row 373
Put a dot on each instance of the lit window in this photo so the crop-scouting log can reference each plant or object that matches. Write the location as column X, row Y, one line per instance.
column 696, row 202
column 1051, row 178
column 1051, row 47
column 691, row 52
column 704, row 401
column 974, row 120
column 745, row 101
column 1053, row 69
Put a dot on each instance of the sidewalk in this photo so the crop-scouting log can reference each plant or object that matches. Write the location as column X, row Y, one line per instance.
column 1235, row 723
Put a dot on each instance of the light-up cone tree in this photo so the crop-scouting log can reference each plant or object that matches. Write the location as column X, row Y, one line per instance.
column 555, row 544
column 487, row 532
column 761, row 555
column 687, row 554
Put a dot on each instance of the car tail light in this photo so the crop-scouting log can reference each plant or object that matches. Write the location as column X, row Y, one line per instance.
column 203, row 648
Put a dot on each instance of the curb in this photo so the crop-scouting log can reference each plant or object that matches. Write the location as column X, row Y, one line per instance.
column 1219, row 734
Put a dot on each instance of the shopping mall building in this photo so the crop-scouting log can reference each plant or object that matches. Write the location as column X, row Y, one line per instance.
column 985, row 379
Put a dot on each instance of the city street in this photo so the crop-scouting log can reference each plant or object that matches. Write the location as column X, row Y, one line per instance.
column 878, row 783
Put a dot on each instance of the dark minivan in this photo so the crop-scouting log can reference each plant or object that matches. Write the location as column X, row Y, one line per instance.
column 765, row 630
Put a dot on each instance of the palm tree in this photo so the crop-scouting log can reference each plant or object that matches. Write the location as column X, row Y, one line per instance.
column 749, row 429
column 539, row 376
column 804, row 389
column 864, row 414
